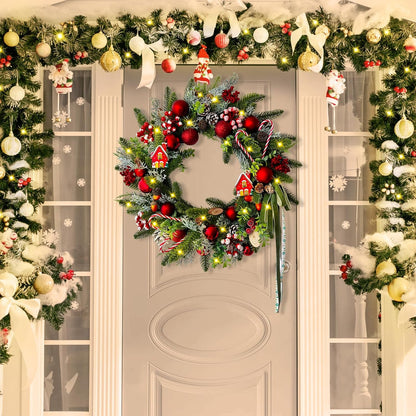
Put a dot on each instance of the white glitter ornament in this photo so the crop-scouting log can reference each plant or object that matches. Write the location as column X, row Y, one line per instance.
column 11, row 145
column 193, row 37
column 99, row 40
column 17, row 93
column 385, row 168
column 26, row 209
column 43, row 49
column 260, row 35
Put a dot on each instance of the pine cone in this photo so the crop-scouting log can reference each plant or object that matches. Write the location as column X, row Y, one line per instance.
column 212, row 118
column 203, row 125
column 262, row 136
column 206, row 111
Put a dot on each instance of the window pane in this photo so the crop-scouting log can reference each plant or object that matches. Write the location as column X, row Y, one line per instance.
column 66, row 378
column 77, row 321
column 67, row 175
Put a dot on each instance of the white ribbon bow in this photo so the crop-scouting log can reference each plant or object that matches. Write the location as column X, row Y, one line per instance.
column 228, row 7
column 138, row 45
column 19, row 321
column 317, row 41
column 409, row 309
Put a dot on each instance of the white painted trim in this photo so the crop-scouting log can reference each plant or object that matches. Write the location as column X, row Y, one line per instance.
column 106, row 374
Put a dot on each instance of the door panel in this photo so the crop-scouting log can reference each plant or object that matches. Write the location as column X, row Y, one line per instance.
column 210, row 343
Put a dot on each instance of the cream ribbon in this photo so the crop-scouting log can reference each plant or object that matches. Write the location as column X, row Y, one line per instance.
column 19, row 321
column 409, row 309
column 138, row 45
column 228, row 7
column 317, row 41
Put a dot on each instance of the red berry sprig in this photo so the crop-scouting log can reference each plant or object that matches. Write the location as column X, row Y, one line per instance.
column 6, row 62
column 170, row 123
column 344, row 269
column 242, row 54
column 230, row 95
column 400, row 90
column 23, row 182
column 232, row 116
column 68, row 275
column 129, row 176
column 371, row 64
column 285, row 28
column 80, row 55
column 146, row 133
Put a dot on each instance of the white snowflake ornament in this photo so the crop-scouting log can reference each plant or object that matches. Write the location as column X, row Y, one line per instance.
column 56, row 160
column 345, row 225
column 50, row 237
column 338, row 183
column 81, row 182
column 67, row 149
column 80, row 101
column 68, row 222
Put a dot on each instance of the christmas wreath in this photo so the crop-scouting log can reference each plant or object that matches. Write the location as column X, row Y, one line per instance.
column 223, row 232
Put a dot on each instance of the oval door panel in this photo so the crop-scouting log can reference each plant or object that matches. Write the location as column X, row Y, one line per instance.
column 209, row 329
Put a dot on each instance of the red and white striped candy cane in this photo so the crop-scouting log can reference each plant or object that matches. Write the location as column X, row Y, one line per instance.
column 267, row 121
column 241, row 146
column 162, row 244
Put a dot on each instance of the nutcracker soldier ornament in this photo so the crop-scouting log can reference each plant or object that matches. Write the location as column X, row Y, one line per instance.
column 335, row 87
column 203, row 73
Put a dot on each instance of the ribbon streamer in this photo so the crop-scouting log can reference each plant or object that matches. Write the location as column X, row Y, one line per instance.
column 317, row 41
column 264, row 123
column 19, row 321
column 138, row 45
column 228, row 7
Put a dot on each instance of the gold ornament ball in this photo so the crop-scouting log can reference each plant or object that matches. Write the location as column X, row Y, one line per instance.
column 385, row 268
column 385, row 168
column 11, row 145
column 373, row 36
column 397, row 288
column 99, row 40
column 307, row 60
column 2, row 172
column 110, row 60
column 404, row 128
column 324, row 30
column 11, row 38
column 43, row 49
column 43, row 283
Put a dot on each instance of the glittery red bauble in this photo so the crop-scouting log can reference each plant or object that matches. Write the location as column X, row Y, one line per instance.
column 264, row 175
column 222, row 40
column 167, row 208
column 177, row 235
column 144, row 187
column 223, row 129
column 168, row 65
column 247, row 251
column 190, row 136
column 251, row 124
column 211, row 232
column 172, row 142
column 139, row 172
column 180, row 108
column 230, row 213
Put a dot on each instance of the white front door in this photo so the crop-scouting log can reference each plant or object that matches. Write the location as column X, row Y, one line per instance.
column 209, row 344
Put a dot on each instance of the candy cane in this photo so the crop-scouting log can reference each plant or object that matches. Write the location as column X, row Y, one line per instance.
column 241, row 146
column 161, row 249
column 267, row 121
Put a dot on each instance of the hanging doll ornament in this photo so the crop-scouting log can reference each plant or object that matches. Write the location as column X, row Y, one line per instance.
column 335, row 87
column 203, row 73
column 62, row 79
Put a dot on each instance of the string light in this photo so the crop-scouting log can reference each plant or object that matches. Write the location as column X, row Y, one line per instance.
column 389, row 113
column 398, row 196
column 157, row 130
column 401, row 156
column 214, row 99
column 173, row 195
column 315, row 22
column 189, row 123
column 60, row 36
column 407, row 69
column 1, row 88
column 227, row 142
column 216, row 260
column 128, row 204
column 284, row 60
column 180, row 252
column 356, row 49
column 203, row 218
column 387, row 31
column 128, row 150
column 245, row 211
column 185, row 51
column 1, row 49
column 149, row 22
column 11, row 178
column 249, row 149
column 277, row 180
column 152, row 180
column 154, row 224
column 268, row 206
column 246, row 31
column 279, row 144
column 200, row 94
column 127, row 55
column 23, row 131
column 223, row 229
column 242, row 113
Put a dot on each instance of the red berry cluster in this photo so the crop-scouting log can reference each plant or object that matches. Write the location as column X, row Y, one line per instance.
column 280, row 164
column 233, row 246
column 402, row 90
column 285, row 28
column 146, row 133
column 170, row 123
column 4, row 336
column 369, row 64
column 23, row 182
column 129, row 176
column 6, row 62
column 344, row 269
column 80, row 55
column 67, row 276
column 232, row 116
column 251, row 225
column 230, row 95
column 141, row 223
column 242, row 54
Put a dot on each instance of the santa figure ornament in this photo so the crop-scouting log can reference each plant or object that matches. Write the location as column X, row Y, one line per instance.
column 335, row 87
column 203, row 73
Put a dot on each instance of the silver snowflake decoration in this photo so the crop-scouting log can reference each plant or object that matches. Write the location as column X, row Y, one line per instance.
column 74, row 305
column 346, row 225
column 50, row 237
column 337, row 183
column 68, row 222
column 81, row 182
column 67, row 149
column 61, row 119
column 56, row 160
column 80, row 101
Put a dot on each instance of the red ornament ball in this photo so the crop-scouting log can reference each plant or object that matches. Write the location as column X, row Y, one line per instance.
column 180, row 108
column 413, row 153
column 222, row 40
column 144, row 187
column 248, row 251
column 60, row 260
column 248, row 198
column 223, row 129
column 168, row 65
column 211, row 232
column 178, row 235
column 139, row 172
column 251, row 124
column 264, row 175
column 231, row 214
column 167, row 208
column 172, row 142
column 190, row 136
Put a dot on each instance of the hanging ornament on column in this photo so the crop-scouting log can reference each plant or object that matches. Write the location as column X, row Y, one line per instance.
column 43, row 49
column 11, row 145
column 373, row 36
column 410, row 44
column 193, row 37
column 110, row 61
column 335, row 87
column 62, row 79
column 99, row 40
column 203, row 73
column 222, row 40
column 17, row 93
column 404, row 128
column 385, row 168
column 260, row 35
column 27, row 209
